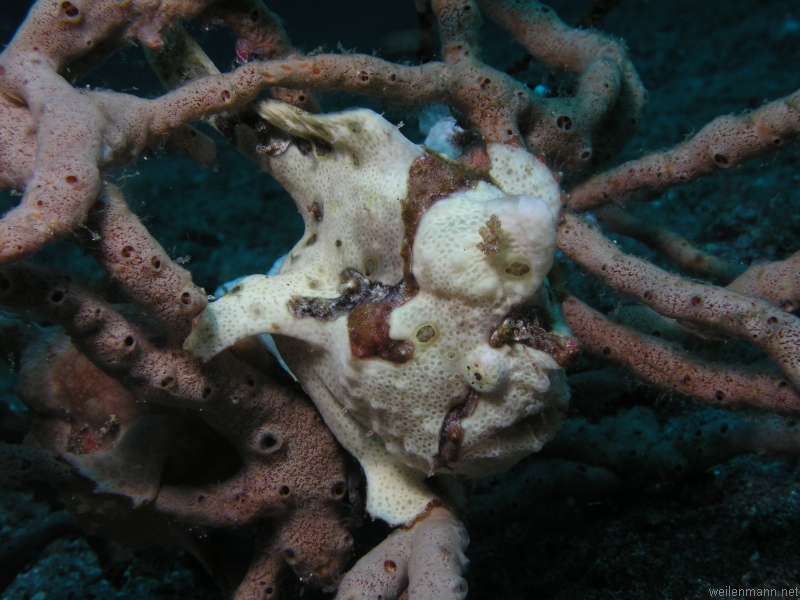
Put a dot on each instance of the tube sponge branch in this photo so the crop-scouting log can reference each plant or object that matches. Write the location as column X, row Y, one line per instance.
column 429, row 313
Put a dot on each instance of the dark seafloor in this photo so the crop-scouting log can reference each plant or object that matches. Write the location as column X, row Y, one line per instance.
column 547, row 529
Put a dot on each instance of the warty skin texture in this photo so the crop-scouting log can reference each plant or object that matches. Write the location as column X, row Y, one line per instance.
column 386, row 320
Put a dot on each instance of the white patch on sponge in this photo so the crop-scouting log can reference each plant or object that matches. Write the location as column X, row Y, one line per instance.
column 477, row 255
